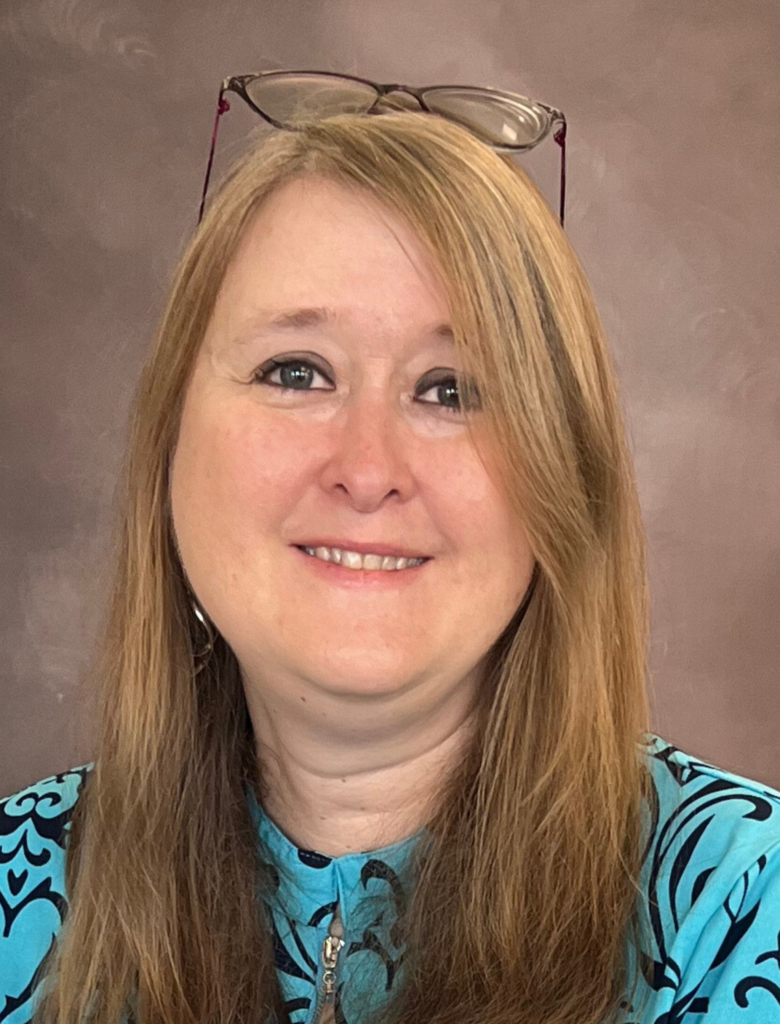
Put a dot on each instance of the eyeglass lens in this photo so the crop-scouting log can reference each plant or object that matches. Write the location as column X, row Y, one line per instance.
column 293, row 97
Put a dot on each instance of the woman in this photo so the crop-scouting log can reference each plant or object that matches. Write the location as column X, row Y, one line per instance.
column 399, row 792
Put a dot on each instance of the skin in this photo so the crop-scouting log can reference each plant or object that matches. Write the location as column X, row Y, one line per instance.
column 360, row 698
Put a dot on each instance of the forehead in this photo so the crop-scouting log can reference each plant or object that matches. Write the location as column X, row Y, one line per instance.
column 316, row 244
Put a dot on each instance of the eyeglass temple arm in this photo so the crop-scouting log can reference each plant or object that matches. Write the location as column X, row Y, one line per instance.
column 222, row 107
column 560, row 138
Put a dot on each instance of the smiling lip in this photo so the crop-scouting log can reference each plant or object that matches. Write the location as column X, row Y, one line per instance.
column 392, row 550
column 364, row 581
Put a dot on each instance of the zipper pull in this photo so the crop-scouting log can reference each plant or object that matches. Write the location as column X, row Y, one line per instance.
column 331, row 947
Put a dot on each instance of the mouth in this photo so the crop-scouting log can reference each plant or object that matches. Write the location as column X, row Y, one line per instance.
column 416, row 562
column 388, row 581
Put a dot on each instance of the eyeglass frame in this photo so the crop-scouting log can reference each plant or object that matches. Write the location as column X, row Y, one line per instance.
column 238, row 83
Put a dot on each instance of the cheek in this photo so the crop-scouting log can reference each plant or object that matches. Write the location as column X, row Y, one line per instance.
column 469, row 505
column 500, row 559
column 233, row 480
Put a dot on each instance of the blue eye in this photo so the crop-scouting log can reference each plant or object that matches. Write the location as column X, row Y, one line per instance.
column 302, row 378
column 264, row 373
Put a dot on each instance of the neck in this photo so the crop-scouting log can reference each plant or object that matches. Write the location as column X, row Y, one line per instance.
column 354, row 774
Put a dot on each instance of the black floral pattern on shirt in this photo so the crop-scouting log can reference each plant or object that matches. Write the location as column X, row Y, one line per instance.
column 711, row 875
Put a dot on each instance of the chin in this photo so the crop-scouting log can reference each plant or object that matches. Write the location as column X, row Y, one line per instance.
column 378, row 679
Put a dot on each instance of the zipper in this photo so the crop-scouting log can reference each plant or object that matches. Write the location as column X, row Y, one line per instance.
column 331, row 947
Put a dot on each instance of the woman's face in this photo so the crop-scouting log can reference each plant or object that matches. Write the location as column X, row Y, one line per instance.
column 362, row 448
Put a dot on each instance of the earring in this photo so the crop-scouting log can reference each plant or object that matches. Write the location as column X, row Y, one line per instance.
column 202, row 656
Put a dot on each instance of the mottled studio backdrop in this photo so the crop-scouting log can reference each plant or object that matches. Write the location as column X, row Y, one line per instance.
column 673, row 147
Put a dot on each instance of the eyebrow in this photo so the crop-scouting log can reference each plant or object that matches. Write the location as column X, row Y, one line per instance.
column 317, row 316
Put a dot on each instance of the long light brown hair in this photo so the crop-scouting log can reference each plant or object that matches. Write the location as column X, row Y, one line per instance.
column 527, row 897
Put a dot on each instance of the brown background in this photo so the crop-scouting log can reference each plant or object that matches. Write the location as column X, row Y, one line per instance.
column 673, row 150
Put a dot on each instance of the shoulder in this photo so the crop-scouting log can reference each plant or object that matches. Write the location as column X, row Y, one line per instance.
column 34, row 826
column 718, row 814
column 711, row 878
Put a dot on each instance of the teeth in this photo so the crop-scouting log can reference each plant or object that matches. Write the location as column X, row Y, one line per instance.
column 353, row 560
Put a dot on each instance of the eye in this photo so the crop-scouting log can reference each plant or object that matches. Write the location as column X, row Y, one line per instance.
column 264, row 373
column 445, row 386
column 304, row 367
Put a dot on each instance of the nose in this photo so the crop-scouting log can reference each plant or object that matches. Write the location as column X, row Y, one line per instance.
column 369, row 459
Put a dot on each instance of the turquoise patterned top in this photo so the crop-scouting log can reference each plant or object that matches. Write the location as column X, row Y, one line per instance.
column 711, row 875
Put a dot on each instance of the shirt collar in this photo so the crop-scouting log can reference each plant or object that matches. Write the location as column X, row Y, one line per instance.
column 310, row 881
